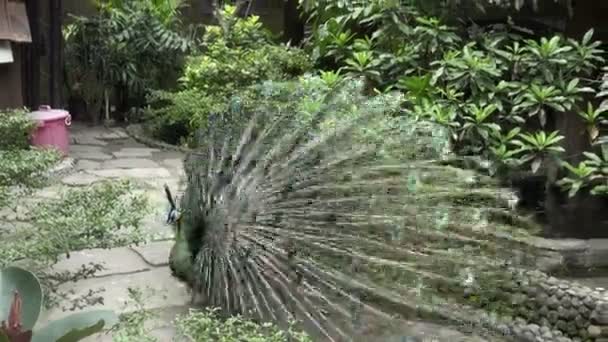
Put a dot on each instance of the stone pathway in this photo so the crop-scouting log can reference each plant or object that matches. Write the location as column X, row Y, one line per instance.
column 109, row 153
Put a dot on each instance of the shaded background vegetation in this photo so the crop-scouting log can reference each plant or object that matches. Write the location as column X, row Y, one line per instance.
column 517, row 83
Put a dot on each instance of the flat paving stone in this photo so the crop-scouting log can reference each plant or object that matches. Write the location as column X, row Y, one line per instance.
column 8, row 214
column 115, row 261
column 93, row 155
column 85, row 164
column 156, row 228
column 89, row 152
column 129, row 163
column 51, row 192
column 114, row 134
column 135, row 152
column 87, row 140
column 598, row 252
column 84, row 148
column 132, row 173
column 80, row 179
column 155, row 253
column 166, row 292
column 14, row 227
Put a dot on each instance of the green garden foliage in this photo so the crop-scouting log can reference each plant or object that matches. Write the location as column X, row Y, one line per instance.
column 498, row 90
column 236, row 54
column 22, row 167
column 127, row 48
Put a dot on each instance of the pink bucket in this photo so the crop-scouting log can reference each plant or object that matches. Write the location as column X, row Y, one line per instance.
column 52, row 130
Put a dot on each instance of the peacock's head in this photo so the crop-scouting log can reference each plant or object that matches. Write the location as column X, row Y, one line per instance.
column 173, row 217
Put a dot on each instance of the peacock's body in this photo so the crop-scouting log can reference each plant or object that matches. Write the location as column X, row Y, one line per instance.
column 344, row 223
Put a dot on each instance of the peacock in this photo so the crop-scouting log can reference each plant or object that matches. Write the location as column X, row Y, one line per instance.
column 341, row 213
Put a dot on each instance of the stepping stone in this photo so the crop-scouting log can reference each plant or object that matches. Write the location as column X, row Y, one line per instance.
column 598, row 253
column 88, row 152
column 114, row 134
column 115, row 261
column 13, row 227
column 156, row 228
column 135, row 152
column 91, row 155
column 84, row 164
column 80, row 179
column 155, row 253
column 85, row 148
column 167, row 292
column 132, row 173
column 88, row 140
column 129, row 163
column 8, row 214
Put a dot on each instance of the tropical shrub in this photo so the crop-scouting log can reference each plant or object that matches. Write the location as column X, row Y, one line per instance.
column 237, row 54
column 498, row 94
column 104, row 215
column 15, row 129
column 125, row 49
column 21, row 168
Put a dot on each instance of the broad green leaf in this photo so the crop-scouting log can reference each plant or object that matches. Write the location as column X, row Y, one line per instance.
column 593, row 132
column 78, row 334
column 83, row 321
column 25, row 282
column 574, row 189
column 536, row 163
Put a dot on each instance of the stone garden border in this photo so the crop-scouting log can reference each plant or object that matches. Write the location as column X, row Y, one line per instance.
column 569, row 255
column 136, row 132
column 548, row 309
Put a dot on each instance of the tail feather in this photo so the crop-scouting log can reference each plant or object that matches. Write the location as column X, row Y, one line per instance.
column 283, row 224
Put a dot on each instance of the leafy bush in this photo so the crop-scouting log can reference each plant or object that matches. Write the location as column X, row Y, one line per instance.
column 23, row 170
column 495, row 90
column 15, row 129
column 173, row 115
column 208, row 326
column 237, row 54
column 104, row 215
column 128, row 47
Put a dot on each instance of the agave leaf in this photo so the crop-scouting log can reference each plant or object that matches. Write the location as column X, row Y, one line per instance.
column 542, row 115
column 536, row 163
column 79, row 334
column 576, row 186
column 81, row 324
column 593, row 132
column 25, row 282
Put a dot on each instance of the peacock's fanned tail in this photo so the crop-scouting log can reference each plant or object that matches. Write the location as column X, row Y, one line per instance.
column 289, row 222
